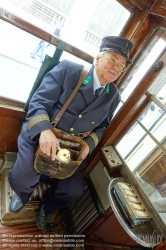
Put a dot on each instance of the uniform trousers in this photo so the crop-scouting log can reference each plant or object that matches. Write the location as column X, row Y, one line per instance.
column 23, row 179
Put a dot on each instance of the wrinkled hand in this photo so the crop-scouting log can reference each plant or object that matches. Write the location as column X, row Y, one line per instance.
column 48, row 143
column 84, row 151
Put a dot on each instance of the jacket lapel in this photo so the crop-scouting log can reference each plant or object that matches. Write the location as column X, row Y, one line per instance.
column 97, row 102
column 108, row 96
column 87, row 90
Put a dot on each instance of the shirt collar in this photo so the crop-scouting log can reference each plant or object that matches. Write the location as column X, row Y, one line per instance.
column 96, row 82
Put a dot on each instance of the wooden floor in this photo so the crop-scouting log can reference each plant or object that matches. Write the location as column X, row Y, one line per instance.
column 17, row 236
column 29, row 237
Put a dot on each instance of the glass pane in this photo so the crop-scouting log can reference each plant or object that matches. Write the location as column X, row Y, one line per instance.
column 142, row 66
column 18, row 69
column 153, row 115
column 140, row 152
column 153, row 118
column 132, row 145
column 80, row 23
column 135, row 145
column 155, row 122
column 151, row 176
column 62, row 5
column 148, row 165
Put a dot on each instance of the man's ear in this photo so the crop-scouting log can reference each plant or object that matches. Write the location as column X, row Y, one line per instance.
column 97, row 59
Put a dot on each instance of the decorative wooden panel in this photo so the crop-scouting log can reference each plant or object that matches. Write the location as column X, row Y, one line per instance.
column 142, row 5
column 10, row 124
column 159, row 8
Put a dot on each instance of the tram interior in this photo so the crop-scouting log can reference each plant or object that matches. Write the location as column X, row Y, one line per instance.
column 133, row 147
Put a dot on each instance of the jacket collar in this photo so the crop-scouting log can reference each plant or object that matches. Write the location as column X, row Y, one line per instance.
column 88, row 90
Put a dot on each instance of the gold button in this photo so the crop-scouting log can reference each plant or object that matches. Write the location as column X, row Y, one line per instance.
column 92, row 122
column 80, row 116
column 71, row 129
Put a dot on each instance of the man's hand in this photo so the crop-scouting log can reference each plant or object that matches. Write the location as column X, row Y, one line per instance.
column 85, row 151
column 48, row 143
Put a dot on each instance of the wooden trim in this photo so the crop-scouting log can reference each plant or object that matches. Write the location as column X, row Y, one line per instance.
column 5, row 101
column 141, row 5
column 128, row 5
column 143, row 31
column 159, row 8
column 12, row 108
column 10, row 112
column 132, row 24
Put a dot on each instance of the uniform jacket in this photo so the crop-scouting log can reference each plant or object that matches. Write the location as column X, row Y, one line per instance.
column 82, row 115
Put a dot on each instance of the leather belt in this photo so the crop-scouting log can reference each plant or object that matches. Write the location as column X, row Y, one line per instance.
column 82, row 135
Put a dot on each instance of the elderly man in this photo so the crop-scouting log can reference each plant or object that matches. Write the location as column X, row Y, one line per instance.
column 86, row 112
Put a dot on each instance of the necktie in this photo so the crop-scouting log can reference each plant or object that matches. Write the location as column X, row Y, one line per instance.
column 98, row 92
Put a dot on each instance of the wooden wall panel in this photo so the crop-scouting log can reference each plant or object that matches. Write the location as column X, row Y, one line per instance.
column 111, row 232
column 159, row 8
column 10, row 127
column 132, row 24
column 141, row 5
column 161, row 246
column 98, row 222
column 97, row 246
column 142, row 32
column 128, row 5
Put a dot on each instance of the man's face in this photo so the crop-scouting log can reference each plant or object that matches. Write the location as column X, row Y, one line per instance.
column 109, row 67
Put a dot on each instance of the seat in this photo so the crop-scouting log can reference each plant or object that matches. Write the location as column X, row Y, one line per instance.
column 28, row 213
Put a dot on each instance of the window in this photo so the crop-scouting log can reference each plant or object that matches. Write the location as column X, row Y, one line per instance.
column 18, row 69
column 143, row 148
column 143, row 64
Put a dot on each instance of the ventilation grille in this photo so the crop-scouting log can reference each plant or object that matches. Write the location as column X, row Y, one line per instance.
column 82, row 212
